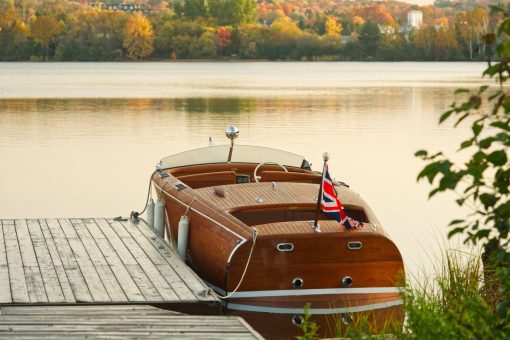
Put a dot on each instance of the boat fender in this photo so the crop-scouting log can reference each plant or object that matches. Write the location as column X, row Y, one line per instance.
column 150, row 213
column 182, row 238
column 159, row 218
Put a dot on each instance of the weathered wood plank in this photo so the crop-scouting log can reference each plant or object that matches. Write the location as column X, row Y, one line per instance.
column 184, row 273
column 47, row 269
column 33, row 277
column 89, row 272
column 110, row 283
column 70, row 265
column 158, row 256
column 5, row 285
column 56, row 263
column 19, row 288
column 138, row 275
column 150, row 270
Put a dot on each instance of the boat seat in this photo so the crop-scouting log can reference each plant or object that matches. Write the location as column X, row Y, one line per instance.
column 209, row 179
column 281, row 176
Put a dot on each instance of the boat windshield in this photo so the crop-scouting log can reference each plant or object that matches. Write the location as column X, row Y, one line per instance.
column 240, row 154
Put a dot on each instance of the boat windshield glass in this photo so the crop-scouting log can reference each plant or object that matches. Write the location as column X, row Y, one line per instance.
column 240, row 154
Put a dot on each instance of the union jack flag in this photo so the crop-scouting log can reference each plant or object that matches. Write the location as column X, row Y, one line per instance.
column 331, row 205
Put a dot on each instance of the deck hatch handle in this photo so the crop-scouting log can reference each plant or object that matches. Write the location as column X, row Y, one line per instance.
column 354, row 245
column 285, row 246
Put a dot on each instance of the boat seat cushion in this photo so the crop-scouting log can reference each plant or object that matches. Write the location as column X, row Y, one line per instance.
column 209, row 179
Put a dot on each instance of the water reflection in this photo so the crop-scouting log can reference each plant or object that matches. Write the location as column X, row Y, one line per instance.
column 92, row 157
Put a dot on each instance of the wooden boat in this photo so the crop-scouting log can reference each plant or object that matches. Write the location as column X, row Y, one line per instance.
column 250, row 238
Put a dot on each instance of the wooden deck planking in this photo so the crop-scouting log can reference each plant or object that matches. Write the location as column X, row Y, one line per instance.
column 5, row 286
column 119, row 322
column 48, row 272
column 110, row 283
column 139, row 276
column 159, row 261
column 35, row 284
column 93, row 261
column 57, row 264
column 70, row 265
column 18, row 284
column 176, row 264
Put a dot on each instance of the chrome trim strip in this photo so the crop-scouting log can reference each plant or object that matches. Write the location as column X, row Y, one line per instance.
column 302, row 292
column 198, row 212
column 316, row 311
column 234, row 250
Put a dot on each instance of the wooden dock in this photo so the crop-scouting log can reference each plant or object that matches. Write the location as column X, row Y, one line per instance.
column 116, row 322
column 95, row 261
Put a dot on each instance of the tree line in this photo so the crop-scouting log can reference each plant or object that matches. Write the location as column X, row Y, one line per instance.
column 245, row 29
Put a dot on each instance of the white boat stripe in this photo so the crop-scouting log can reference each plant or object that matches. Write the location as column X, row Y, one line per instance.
column 301, row 292
column 313, row 311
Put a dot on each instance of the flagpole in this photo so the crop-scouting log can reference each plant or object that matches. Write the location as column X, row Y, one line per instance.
column 325, row 157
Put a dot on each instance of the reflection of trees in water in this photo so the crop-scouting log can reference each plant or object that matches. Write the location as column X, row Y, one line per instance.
column 216, row 105
column 348, row 100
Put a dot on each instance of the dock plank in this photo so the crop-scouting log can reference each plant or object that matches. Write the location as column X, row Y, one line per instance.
column 63, row 280
column 70, row 265
column 116, row 322
column 139, row 277
column 110, row 283
column 187, row 276
column 19, row 289
column 5, row 287
column 50, row 280
column 159, row 261
column 94, row 261
column 33, row 277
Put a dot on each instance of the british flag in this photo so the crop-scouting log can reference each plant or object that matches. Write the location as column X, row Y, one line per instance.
column 331, row 205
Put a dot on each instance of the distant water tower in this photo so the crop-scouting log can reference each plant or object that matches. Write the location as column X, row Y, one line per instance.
column 414, row 19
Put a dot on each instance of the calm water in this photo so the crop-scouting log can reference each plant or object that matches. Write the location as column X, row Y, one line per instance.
column 80, row 140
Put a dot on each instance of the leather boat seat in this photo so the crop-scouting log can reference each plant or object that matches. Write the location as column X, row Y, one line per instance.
column 209, row 179
column 282, row 176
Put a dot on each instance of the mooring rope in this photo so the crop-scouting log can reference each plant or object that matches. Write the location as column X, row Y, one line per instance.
column 212, row 292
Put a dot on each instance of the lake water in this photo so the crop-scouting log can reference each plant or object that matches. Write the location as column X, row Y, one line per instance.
column 81, row 139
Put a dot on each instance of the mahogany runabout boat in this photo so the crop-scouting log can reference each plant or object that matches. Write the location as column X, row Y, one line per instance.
column 252, row 239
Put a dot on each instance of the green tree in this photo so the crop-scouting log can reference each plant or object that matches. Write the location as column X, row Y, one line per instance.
column 44, row 30
column 369, row 38
column 194, row 9
column 232, row 12
column 138, row 37
column 482, row 183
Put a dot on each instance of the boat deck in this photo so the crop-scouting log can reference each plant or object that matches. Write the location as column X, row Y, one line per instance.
column 94, row 261
column 116, row 322
column 253, row 194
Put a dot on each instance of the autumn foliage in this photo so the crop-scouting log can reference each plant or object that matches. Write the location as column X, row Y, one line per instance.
column 248, row 29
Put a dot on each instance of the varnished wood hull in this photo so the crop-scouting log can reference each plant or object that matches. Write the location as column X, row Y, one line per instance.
column 218, row 250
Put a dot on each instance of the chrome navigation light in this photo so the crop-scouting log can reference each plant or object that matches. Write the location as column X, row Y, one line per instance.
column 232, row 132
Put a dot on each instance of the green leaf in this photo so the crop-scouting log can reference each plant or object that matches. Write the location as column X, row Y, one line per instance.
column 461, row 90
column 456, row 231
column 454, row 222
column 466, row 144
column 445, row 116
column 461, row 119
column 421, row 153
column 498, row 158
column 486, row 143
column 502, row 125
column 488, row 200
column 477, row 128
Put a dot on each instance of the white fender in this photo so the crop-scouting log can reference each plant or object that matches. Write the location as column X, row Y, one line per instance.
column 159, row 218
column 182, row 239
column 150, row 213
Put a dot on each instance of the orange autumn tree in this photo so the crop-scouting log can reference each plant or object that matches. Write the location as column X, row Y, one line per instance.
column 138, row 37
column 223, row 37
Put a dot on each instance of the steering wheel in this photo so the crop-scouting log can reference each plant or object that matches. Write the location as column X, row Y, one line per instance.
column 257, row 178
